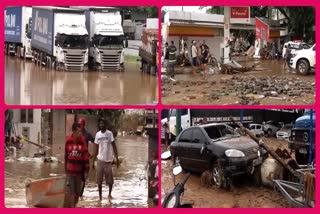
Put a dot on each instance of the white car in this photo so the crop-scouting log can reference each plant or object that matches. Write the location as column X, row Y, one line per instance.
column 304, row 60
column 270, row 128
column 285, row 132
column 256, row 129
column 293, row 46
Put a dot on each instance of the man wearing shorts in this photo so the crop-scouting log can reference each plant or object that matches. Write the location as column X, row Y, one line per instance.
column 104, row 149
column 76, row 163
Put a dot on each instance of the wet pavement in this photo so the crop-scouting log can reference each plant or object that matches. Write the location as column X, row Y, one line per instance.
column 192, row 89
column 27, row 84
column 244, row 193
column 130, row 188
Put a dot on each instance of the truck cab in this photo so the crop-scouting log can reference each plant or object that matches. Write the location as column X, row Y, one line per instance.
column 107, row 40
column 300, row 138
column 18, row 24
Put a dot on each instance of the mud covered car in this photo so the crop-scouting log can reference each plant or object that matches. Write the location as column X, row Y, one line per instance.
column 220, row 149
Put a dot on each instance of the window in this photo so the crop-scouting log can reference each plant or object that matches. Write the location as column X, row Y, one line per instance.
column 216, row 132
column 186, row 136
column 198, row 134
column 23, row 115
column 26, row 115
column 258, row 126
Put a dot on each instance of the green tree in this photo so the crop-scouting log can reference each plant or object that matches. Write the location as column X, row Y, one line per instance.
column 151, row 11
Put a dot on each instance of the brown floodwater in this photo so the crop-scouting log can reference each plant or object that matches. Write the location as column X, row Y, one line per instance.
column 130, row 188
column 27, row 84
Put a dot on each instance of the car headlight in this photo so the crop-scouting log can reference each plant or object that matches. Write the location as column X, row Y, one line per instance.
column 233, row 153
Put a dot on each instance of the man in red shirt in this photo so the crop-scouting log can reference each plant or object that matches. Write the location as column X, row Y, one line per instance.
column 76, row 163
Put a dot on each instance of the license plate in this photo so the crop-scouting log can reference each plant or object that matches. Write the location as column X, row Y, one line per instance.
column 257, row 161
column 303, row 151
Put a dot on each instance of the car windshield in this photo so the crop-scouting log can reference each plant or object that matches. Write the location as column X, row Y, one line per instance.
column 220, row 131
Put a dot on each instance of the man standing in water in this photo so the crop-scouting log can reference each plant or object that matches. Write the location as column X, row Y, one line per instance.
column 104, row 149
column 76, row 163
column 88, row 138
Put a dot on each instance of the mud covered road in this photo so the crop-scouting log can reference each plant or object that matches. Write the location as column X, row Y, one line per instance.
column 269, row 84
column 244, row 194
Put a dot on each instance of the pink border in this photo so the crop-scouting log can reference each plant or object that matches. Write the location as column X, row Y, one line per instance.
column 158, row 106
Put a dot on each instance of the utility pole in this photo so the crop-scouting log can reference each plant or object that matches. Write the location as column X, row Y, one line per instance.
column 226, row 35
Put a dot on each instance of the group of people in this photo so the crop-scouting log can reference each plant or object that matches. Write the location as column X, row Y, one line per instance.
column 77, row 159
column 200, row 56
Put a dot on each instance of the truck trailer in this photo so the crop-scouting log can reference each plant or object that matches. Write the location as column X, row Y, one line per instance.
column 60, row 38
column 17, row 31
column 149, row 49
column 106, row 36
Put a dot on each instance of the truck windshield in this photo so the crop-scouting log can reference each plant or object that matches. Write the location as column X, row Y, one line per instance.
column 108, row 41
column 73, row 41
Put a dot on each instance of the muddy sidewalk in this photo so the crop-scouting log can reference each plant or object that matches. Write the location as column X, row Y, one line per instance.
column 268, row 85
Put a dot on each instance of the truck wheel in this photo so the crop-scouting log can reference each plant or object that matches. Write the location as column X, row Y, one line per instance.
column 303, row 67
column 301, row 158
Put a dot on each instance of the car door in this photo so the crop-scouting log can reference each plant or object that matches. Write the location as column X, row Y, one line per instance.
column 182, row 147
column 198, row 161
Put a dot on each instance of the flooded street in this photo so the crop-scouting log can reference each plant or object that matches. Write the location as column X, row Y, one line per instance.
column 27, row 84
column 130, row 188
column 225, row 89
column 244, row 193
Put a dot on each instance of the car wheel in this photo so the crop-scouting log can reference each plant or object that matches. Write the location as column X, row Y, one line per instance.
column 303, row 67
column 219, row 178
column 269, row 132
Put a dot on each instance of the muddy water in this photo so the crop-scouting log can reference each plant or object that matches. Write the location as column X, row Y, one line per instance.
column 27, row 84
column 130, row 188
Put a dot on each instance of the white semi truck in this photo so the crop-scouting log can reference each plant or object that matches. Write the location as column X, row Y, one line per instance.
column 107, row 41
column 60, row 38
column 17, row 31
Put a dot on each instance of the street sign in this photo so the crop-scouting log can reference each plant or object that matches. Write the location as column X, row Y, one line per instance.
column 262, row 30
column 240, row 15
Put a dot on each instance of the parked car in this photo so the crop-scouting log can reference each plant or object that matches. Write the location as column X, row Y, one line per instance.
column 293, row 46
column 218, row 148
column 270, row 128
column 303, row 60
column 256, row 129
column 285, row 132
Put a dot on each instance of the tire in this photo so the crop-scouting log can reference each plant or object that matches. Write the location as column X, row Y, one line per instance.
column 219, row 178
column 257, row 176
column 303, row 67
column 301, row 158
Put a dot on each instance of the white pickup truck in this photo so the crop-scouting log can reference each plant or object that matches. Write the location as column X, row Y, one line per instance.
column 304, row 60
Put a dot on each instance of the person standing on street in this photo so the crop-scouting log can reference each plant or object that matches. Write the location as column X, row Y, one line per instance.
column 172, row 60
column 76, row 163
column 205, row 59
column 105, row 149
column 166, row 55
column 89, row 139
column 194, row 56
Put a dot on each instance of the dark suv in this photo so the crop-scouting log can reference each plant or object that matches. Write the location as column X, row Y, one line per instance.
column 219, row 148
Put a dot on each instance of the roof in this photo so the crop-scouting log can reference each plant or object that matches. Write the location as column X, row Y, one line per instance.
column 98, row 9
column 210, row 124
column 213, row 20
column 60, row 9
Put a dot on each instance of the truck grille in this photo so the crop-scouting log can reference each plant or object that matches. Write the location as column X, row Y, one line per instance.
column 110, row 61
column 74, row 61
column 251, row 152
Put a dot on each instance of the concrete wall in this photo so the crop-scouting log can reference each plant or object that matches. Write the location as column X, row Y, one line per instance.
column 34, row 128
column 58, row 133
